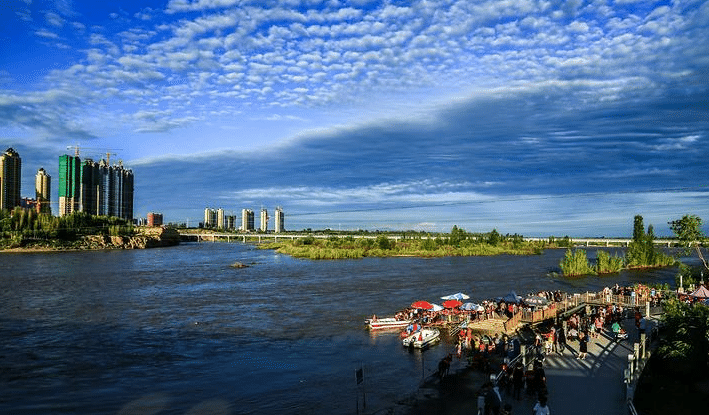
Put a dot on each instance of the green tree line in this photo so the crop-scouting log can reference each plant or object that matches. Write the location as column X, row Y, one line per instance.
column 20, row 226
column 641, row 253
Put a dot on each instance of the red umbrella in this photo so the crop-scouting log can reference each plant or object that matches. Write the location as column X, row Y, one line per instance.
column 452, row 304
column 422, row 304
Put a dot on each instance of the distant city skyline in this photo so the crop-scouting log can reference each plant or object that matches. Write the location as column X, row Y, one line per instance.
column 532, row 117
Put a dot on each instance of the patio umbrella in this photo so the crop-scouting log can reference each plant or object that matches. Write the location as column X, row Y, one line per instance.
column 452, row 303
column 472, row 307
column 425, row 305
column 536, row 300
column 436, row 307
column 456, row 296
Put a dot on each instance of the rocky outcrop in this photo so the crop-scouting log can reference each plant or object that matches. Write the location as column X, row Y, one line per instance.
column 143, row 238
column 159, row 237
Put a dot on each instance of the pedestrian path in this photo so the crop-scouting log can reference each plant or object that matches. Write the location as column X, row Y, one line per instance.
column 593, row 385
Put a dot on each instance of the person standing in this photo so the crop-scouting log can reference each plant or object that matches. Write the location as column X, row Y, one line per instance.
column 493, row 401
column 583, row 345
column 561, row 339
column 541, row 408
column 517, row 380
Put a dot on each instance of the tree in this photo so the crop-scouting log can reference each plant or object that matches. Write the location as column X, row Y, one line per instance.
column 494, row 238
column 457, row 236
column 688, row 231
column 638, row 229
column 575, row 263
column 383, row 242
column 650, row 245
column 641, row 247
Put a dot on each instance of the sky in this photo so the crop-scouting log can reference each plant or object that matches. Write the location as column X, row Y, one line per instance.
column 532, row 117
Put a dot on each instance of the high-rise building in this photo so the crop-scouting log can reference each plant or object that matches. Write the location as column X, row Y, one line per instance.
column 279, row 225
column 69, row 184
column 126, row 202
column 90, row 187
column 10, row 179
column 264, row 220
column 220, row 219
column 210, row 218
column 230, row 222
column 247, row 220
column 95, row 188
column 43, row 191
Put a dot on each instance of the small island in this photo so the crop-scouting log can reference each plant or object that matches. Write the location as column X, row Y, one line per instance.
column 457, row 243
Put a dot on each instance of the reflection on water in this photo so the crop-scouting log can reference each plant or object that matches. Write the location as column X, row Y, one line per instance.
column 179, row 330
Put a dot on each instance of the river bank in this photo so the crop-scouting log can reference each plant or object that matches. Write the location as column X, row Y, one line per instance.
column 143, row 238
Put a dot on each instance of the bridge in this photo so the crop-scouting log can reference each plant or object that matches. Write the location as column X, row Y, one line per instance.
column 275, row 237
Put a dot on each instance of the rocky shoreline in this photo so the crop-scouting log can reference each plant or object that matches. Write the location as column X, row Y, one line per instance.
column 143, row 238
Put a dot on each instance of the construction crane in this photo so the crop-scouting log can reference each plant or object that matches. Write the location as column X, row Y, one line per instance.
column 108, row 151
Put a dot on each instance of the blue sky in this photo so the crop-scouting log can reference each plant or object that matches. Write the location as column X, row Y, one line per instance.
column 532, row 117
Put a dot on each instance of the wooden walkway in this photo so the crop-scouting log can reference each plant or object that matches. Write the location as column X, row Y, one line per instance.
column 603, row 382
column 562, row 309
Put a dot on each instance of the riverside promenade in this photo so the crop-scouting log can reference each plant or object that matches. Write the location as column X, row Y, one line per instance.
column 591, row 386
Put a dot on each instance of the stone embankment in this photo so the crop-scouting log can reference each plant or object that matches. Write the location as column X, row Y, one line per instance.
column 144, row 238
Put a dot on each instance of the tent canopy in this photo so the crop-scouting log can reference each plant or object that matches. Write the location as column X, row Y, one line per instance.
column 511, row 297
column 701, row 292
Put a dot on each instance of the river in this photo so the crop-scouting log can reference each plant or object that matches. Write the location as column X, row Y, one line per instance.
column 177, row 330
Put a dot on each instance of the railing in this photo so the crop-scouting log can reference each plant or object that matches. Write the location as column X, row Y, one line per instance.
column 636, row 363
column 539, row 315
column 513, row 322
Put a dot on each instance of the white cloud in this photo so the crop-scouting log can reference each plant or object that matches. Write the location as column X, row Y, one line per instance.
column 54, row 19
column 46, row 34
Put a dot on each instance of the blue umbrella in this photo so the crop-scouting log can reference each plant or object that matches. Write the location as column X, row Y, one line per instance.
column 456, row 296
column 512, row 297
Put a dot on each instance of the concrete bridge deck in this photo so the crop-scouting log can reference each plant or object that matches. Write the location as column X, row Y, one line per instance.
column 243, row 237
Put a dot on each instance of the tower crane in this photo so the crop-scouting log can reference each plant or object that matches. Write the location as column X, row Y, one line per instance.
column 108, row 151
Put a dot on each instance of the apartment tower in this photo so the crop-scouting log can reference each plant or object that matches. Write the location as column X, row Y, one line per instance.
column 43, row 191
column 10, row 179
column 279, row 226
column 247, row 220
column 264, row 220
column 69, row 184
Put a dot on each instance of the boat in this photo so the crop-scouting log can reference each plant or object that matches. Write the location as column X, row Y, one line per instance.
column 386, row 323
column 422, row 338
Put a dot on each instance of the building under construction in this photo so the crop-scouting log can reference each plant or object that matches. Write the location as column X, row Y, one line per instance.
column 95, row 187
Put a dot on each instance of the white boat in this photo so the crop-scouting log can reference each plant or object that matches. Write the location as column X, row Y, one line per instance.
column 386, row 323
column 422, row 338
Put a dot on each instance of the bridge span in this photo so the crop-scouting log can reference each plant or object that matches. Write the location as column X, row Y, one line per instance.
column 275, row 237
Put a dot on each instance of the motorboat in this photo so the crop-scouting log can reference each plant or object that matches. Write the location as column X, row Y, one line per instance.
column 422, row 338
column 386, row 323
